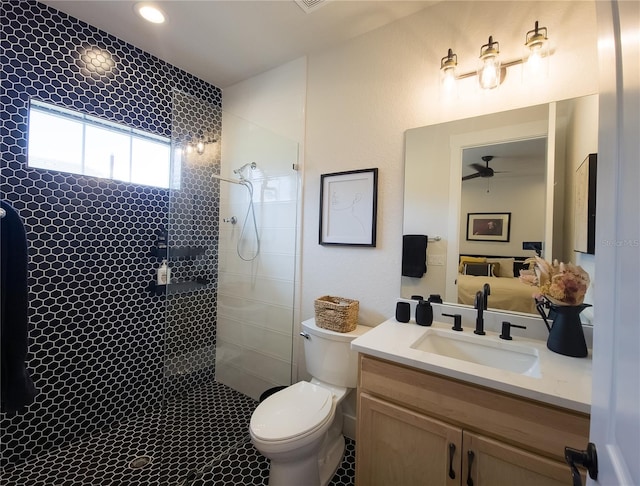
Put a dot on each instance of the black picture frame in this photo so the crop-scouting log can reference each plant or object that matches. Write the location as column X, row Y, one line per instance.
column 348, row 208
column 489, row 227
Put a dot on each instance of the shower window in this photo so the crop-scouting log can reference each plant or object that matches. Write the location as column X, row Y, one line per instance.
column 69, row 141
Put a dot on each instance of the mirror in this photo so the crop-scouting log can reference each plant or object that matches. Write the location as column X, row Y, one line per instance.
column 536, row 151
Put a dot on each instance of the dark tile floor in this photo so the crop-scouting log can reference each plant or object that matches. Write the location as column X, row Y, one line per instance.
column 199, row 439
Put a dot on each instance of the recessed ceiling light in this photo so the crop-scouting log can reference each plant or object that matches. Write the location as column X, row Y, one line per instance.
column 150, row 13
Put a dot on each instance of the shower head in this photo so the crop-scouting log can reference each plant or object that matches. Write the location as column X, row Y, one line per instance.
column 239, row 171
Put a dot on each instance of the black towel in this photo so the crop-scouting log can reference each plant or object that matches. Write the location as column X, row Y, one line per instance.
column 414, row 255
column 17, row 390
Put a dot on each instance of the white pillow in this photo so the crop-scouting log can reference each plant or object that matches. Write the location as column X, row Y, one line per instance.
column 506, row 266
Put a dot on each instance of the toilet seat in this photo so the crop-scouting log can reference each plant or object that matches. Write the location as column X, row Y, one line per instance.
column 292, row 413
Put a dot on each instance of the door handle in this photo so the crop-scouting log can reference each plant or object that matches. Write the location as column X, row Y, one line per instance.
column 587, row 458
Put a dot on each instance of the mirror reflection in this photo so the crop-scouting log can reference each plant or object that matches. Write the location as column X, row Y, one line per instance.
column 493, row 205
column 498, row 189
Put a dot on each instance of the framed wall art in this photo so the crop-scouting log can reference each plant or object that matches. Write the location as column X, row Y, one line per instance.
column 488, row 226
column 348, row 208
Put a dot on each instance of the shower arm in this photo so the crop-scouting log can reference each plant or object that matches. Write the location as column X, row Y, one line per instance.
column 233, row 181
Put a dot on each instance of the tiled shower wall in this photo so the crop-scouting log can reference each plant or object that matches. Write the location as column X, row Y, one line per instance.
column 102, row 346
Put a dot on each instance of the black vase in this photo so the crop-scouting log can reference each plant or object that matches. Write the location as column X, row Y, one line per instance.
column 566, row 335
column 424, row 313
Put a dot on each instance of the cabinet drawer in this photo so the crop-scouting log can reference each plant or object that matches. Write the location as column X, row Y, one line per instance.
column 531, row 425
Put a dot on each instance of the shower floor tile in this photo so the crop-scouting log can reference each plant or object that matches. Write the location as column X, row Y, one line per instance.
column 198, row 439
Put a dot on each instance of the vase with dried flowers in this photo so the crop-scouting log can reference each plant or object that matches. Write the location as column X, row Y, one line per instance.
column 561, row 288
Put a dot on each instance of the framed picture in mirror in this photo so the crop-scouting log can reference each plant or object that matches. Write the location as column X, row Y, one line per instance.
column 585, row 206
column 488, row 226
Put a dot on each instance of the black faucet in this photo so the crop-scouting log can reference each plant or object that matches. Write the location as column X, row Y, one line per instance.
column 486, row 291
column 479, row 306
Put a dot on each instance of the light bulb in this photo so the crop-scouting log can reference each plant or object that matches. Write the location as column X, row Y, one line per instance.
column 535, row 60
column 200, row 147
column 490, row 73
column 449, row 79
column 150, row 13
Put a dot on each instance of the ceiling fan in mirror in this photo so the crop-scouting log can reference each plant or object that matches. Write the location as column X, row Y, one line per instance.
column 482, row 170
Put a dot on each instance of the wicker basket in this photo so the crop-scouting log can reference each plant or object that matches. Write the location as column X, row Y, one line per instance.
column 336, row 313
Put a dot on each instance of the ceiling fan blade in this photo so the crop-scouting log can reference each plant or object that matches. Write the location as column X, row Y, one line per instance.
column 478, row 167
column 472, row 176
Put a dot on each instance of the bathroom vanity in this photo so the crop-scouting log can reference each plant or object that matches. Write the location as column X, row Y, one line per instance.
column 436, row 407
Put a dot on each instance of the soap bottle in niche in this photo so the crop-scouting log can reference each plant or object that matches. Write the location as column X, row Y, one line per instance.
column 164, row 273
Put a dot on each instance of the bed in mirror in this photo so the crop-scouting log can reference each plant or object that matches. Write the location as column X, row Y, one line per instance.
column 500, row 189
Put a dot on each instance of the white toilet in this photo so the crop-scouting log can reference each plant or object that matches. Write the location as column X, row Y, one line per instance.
column 300, row 427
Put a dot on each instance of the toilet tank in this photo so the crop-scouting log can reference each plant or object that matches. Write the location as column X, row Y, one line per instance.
column 328, row 354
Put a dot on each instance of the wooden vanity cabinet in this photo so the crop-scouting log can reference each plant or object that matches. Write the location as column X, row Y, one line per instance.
column 419, row 428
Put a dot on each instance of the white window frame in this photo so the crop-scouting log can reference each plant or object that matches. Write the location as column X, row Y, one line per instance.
column 88, row 120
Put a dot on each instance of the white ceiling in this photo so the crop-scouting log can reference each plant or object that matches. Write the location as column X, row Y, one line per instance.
column 226, row 41
column 522, row 158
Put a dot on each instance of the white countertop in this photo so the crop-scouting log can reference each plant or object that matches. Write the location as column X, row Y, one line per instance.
column 564, row 381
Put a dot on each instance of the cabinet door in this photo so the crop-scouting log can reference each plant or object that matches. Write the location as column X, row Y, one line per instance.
column 497, row 464
column 396, row 446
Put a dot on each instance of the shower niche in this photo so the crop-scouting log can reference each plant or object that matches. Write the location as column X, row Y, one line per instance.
column 192, row 271
column 177, row 252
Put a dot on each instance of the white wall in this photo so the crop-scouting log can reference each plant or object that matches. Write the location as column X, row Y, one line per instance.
column 364, row 94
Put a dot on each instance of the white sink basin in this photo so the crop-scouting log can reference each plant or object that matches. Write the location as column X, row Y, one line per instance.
column 507, row 356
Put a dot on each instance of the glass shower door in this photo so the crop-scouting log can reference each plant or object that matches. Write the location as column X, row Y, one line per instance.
column 256, row 264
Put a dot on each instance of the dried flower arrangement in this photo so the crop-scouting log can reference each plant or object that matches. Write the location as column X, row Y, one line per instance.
column 560, row 283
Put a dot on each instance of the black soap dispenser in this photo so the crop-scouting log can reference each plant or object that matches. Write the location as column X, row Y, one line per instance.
column 424, row 313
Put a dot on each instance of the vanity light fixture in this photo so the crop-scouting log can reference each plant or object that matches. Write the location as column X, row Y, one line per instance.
column 490, row 69
column 150, row 13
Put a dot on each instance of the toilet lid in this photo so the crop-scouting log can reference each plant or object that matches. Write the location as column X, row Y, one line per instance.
column 292, row 412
